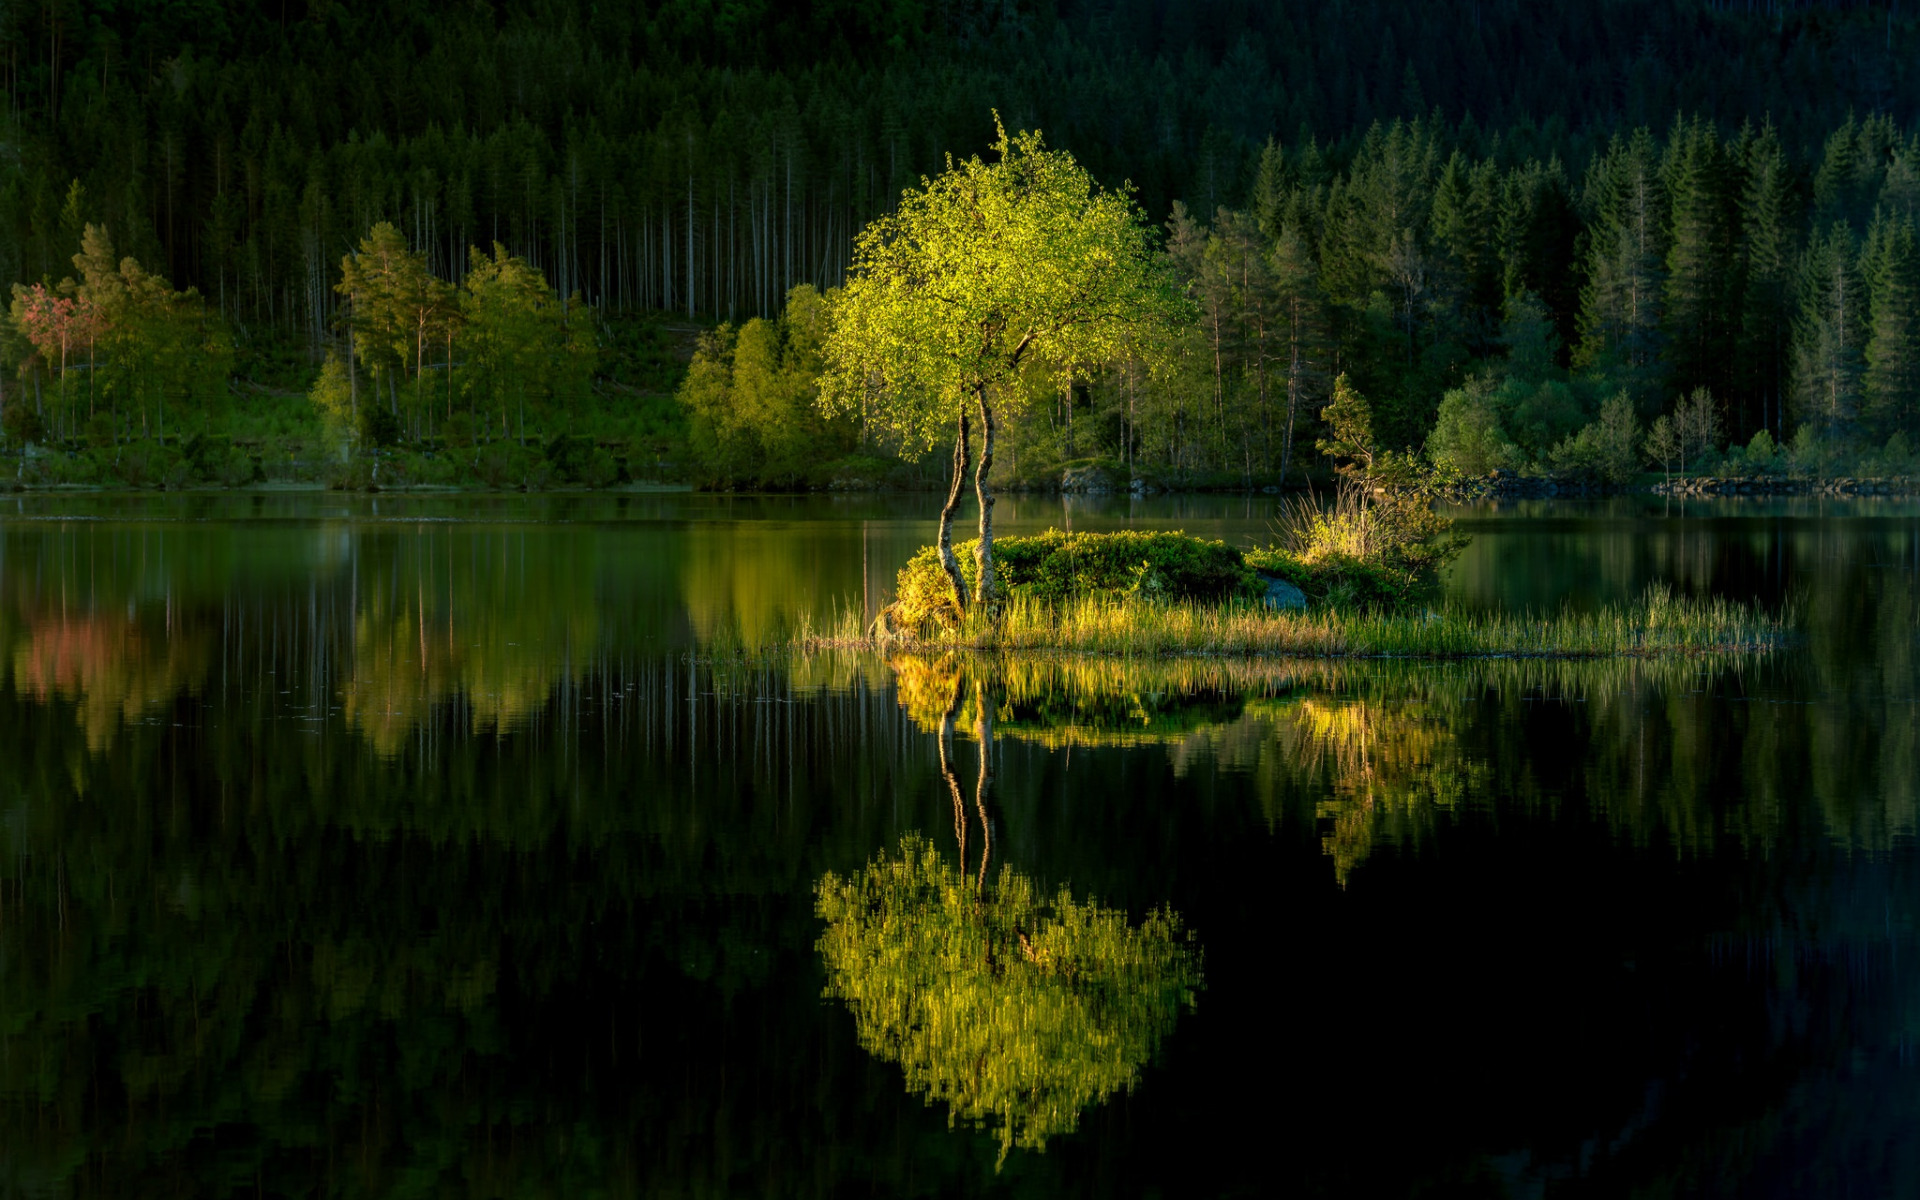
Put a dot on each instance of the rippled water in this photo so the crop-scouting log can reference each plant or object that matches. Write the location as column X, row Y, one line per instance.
column 448, row 846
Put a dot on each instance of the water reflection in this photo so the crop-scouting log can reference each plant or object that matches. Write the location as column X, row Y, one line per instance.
column 1014, row 1011
column 350, row 858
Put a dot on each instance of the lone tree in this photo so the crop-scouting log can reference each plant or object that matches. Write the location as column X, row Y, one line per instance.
column 982, row 271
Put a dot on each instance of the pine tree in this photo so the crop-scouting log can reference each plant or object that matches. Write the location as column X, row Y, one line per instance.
column 1301, row 309
column 1829, row 332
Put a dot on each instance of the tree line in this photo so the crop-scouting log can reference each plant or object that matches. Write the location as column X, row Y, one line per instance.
column 667, row 155
column 1691, row 285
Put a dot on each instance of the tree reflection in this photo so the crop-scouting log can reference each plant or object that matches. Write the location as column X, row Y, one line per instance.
column 1013, row 1010
column 112, row 670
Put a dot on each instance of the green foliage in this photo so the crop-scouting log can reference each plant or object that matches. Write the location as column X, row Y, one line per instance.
column 750, row 399
column 1467, row 437
column 578, row 460
column 332, row 398
column 20, row 424
column 1607, row 450
column 378, row 426
column 1013, row 1009
column 99, row 431
column 1349, row 421
column 1055, row 565
column 525, row 345
column 982, row 269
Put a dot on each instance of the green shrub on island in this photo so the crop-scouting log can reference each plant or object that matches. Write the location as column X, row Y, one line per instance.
column 1379, row 545
column 1057, row 564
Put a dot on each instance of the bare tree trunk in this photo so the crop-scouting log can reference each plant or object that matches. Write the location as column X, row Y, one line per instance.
column 962, row 453
column 986, row 590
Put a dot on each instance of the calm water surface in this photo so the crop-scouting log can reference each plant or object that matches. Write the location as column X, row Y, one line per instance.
column 444, row 846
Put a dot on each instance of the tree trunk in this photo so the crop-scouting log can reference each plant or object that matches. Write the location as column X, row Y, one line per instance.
column 962, row 453
column 986, row 589
column 983, row 733
column 960, row 819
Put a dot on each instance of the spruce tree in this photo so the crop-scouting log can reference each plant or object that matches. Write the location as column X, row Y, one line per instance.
column 1891, row 383
column 1700, row 286
column 1828, row 333
column 1620, row 307
column 1768, row 246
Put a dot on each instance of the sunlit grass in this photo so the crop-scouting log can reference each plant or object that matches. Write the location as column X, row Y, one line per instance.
column 1659, row 623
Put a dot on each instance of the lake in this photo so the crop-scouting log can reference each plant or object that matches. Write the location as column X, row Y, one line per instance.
column 449, row 845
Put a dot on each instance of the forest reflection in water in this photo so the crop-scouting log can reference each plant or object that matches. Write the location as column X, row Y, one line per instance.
column 336, row 860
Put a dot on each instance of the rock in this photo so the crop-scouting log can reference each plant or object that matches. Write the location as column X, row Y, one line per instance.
column 1283, row 595
column 1090, row 480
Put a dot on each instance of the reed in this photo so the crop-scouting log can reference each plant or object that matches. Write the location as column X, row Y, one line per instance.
column 1658, row 623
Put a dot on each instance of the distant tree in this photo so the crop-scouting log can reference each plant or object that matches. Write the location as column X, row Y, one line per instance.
column 1664, row 445
column 1890, row 383
column 1696, row 421
column 521, row 341
column 1767, row 252
column 1302, row 338
column 1830, row 332
column 751, row 397
column 1349, row 420
column 1620, row 308
column 396, row 307
column 332, row 397
column 1468, row 437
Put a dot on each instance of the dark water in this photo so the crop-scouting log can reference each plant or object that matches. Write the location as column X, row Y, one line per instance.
column 446, row 847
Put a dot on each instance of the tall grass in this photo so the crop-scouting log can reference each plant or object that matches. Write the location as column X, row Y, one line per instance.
column 1658, row 623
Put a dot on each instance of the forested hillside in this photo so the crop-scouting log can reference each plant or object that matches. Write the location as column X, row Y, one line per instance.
column 1656, row 195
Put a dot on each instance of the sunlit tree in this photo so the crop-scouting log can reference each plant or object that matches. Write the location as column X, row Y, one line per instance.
column 982, row 269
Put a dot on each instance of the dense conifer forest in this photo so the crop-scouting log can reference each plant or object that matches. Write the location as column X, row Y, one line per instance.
column 1494, row 217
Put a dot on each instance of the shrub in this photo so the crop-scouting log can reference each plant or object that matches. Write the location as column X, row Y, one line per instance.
column 99, row 431
column 1467, row 436
column 379, row 427
column 578, row 460
column 1374, row 547
column 147, row 463
column 458, row 431
column 21, row 424
column 1604, row 450
column 218, row 460
column 1056, row 564
column 502, row 465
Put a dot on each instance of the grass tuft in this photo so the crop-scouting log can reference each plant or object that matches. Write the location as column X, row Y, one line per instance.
column 1659, row 623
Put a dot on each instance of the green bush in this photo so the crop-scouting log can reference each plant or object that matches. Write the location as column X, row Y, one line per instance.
column 379, row 427
column 1341, row 581
column 148, row 463
column 1056, row 564
column 21, row 424
column 100, row 432
column 502, row 464
column 458, row 431
column 578, row 460
column 218, row 460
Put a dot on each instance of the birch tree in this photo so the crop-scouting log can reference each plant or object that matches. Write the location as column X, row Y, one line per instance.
column 981, row 270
